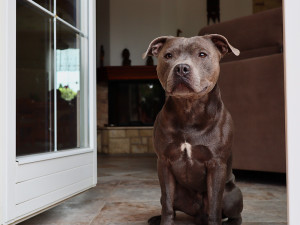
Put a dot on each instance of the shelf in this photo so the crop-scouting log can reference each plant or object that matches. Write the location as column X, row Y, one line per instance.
column 127, row 73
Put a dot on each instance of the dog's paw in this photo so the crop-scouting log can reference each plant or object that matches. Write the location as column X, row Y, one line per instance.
column 237, row 221
column 155, row 220
column 214, row 223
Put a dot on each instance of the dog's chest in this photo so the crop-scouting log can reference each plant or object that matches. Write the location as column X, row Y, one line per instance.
column 188, row 163
column 187, row 150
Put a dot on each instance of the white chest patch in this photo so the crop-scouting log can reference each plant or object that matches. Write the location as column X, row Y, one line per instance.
column 188, row 148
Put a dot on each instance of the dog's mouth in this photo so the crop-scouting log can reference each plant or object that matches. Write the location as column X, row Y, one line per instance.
column 182, row 85
column 183, row 88
column 203, row 89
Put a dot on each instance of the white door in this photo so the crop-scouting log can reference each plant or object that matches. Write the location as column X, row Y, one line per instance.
column 47, row 104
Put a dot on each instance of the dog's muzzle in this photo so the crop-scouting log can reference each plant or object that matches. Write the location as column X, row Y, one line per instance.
column 182, row 70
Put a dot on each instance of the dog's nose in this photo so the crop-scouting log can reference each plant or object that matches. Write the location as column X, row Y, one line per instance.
column 182, row 69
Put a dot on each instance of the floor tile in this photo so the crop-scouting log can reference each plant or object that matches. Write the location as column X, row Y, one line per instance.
column 120, row 212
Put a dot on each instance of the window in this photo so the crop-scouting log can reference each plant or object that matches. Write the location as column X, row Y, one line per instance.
column 52, row 99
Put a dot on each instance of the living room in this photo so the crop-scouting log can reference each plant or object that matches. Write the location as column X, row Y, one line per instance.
column 129, row 96
column 124, row 129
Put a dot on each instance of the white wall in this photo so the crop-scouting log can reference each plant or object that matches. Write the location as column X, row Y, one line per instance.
column 168, row 15
column 230, row 9
column 102, row 30
column 191, row 16
column 134, row 23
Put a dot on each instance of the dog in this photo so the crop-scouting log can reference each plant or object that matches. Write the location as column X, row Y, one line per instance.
column 193, row 133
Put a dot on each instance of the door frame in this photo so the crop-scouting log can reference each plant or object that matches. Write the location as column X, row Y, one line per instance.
column 291, row 18
column 12, row 166
column 7, row 102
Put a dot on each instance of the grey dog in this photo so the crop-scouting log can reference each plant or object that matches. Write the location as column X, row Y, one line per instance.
column 193, row 133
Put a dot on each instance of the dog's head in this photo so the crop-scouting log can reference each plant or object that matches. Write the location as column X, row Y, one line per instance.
column 189, row 66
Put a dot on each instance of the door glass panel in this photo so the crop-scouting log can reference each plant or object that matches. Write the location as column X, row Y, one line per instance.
column 68, row 10
column 34, row 94
column 47, row 4
column 71, row 97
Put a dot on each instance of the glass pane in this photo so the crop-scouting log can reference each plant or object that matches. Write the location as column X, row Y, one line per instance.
column 34, row 103
column 71, row 111
column 47, row 4
column 68, row 10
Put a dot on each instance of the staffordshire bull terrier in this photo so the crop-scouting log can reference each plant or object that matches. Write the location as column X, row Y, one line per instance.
column 193, row 133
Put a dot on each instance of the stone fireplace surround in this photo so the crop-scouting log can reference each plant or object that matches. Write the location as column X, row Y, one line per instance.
column 125, row 140
column 121, row 140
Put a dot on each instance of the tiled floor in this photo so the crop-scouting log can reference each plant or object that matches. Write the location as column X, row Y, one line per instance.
column 128, row 194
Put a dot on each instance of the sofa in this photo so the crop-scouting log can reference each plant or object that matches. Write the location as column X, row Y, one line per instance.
column 252, row 87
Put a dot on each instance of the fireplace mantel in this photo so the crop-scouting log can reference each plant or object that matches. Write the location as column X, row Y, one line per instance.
column 127, row 73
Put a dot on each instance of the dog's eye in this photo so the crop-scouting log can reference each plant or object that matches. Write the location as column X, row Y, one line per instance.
column 168, row 56
column 202, row 55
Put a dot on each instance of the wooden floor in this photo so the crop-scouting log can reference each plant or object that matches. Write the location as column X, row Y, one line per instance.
column 128, row 193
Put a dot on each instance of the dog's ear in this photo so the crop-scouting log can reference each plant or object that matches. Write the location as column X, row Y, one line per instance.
column 155, row 46
column 222, row 44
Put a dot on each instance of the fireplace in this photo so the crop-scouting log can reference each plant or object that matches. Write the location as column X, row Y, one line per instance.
column 134, row 102
column 129, row 98
column 134, row 98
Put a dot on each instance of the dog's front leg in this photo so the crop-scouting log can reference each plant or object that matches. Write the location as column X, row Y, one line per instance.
column 167, row 184
column 216, row 176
